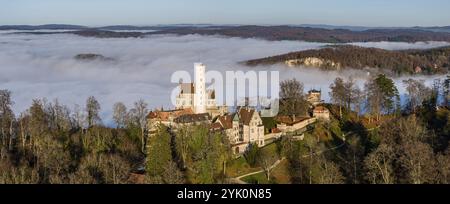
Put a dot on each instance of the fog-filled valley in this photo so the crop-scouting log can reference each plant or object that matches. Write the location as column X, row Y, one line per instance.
column 43, row 66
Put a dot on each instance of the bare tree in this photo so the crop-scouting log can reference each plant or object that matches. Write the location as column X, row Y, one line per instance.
column 443, row 165
column 417, row 92
column 172, row 175
column 379, row 165
column 418, row 160
column 139, row 113
column 120, row 114
column 328, row 172
column 446, row 91
column 267, row 161
column 338, row 93
column 79, row 117
column 358, row 102
column 92, row 109
column 6, row 118
column 292, row 98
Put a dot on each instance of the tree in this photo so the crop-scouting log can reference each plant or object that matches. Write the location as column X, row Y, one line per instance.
column 172, row 175
column 251, row 155
column 120, row 114
column 403, row 155
column 182, row 144
column 6, row 118
column 356, row 155
column 139, row 113
column 79, row 117
column 358, row 101
column 207, row 153
column 446, row 92
column 38, row 122
column 415, row 155
column 266, row 160
column 417, row 92
column 418, row 160
column 115, row 169
column 338, row 93
column 443, row 161
column 52, row 159
column 313, row 146
column 159, row 153
column 345, row 94
column 292, row 98
column 92, row 109
column 379, row 165
column 382, row 95
column 327, row 172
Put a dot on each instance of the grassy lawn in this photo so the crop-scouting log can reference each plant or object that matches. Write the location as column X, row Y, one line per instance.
column 279, row 175
column 271, row 148
column 239, row 167
column 256, row 179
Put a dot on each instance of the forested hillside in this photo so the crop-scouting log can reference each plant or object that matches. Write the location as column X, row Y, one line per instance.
column 430, row 61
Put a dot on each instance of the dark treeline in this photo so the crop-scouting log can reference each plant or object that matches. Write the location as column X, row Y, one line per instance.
column 49, row 143
column 432, row 61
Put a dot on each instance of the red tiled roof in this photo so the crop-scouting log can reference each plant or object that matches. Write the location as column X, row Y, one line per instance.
column 192, row 118
column 246, row 115
column 216, row 126
column 276, row 130
column 288, row 120
column 164, row 115
column 226, row 121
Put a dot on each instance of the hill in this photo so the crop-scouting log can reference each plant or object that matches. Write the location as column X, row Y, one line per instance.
column 275, row 33
column 42, row 27
column 430, row 61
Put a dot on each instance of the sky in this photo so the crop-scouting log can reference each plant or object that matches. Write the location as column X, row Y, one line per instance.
column 260, row 12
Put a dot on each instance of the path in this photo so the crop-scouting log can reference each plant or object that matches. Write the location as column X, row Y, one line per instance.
column 239, row 181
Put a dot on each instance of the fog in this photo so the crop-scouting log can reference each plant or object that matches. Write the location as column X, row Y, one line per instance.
column 38, row 66
column 402, row 45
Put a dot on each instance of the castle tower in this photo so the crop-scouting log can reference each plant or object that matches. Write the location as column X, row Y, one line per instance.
column 200, row 89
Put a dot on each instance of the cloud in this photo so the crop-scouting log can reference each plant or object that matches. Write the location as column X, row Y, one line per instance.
column 37, row 66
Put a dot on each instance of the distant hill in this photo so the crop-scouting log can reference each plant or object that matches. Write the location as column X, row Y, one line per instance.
column 92, row 57
column 273, row 33
column 91, row 33
column 42, row 27
column 430, row 61
column 107, row 34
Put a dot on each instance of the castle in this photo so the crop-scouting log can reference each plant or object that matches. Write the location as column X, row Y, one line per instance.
column 196, row 105
column 196, row 97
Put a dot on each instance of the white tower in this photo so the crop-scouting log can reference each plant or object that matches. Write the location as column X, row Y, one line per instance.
column 200, row 89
